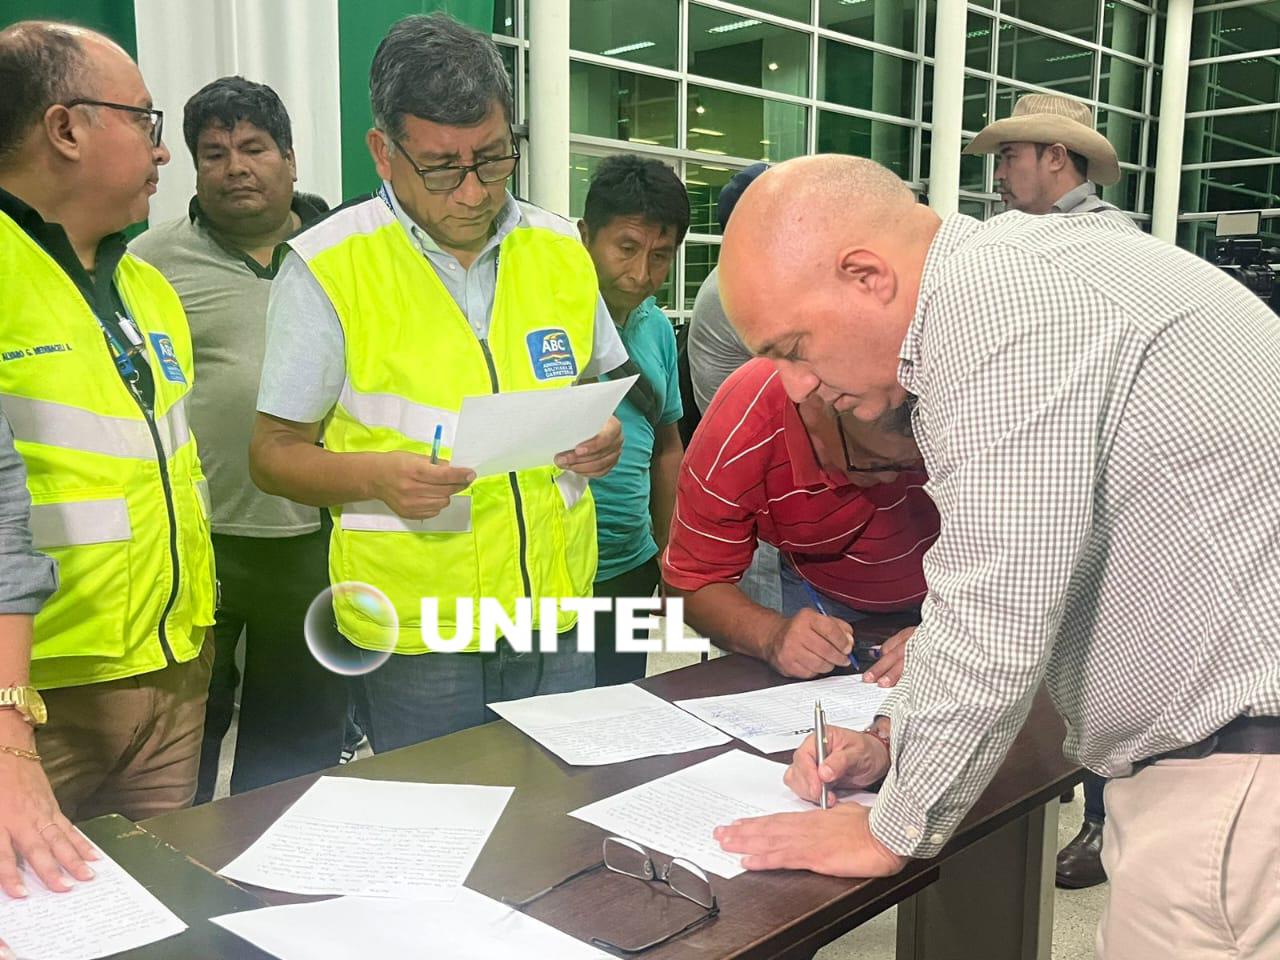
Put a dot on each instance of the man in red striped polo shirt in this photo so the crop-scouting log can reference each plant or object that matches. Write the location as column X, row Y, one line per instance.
column 843, row 503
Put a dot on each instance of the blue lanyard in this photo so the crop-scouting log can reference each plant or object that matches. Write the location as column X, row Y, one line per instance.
column 122, row 355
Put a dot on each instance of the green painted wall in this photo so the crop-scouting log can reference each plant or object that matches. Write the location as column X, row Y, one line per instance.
column 361, row 26
column 112, row 17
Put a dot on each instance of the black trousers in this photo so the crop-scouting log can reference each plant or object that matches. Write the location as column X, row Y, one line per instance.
column 292, row 710
column 1093, row 806
column 611, row 666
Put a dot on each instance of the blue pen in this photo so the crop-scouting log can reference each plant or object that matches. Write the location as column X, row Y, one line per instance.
column 817, row 602
column 435, row 443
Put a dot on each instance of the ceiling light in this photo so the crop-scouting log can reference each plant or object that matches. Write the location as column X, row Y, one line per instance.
column 699, row 109
column 628, row 48
column 773, row 66
column 735, row 25
column 705, row 132
column 766, row 143
column 719, row 153
column 644, row 140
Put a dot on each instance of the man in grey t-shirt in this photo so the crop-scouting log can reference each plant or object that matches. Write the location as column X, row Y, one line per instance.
column 715, row 351
column 271, row 552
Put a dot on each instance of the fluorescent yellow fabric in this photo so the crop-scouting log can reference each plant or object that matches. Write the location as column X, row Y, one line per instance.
column 411, row 358
column 98, row 485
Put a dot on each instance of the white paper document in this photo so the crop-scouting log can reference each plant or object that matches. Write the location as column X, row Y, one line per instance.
column 779, row 718
column 374, row 838
column 675, row 814
column 608, row 725
column 501, row 432
column 101, row 917
column 472, row 927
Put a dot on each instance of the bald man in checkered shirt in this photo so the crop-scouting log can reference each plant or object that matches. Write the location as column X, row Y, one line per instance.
column 1099, row 415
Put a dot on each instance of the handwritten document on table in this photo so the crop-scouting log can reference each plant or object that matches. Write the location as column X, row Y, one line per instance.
column 98, row 918
column 676, row 813
column 374, row 838
column 608, row 725
column 779, row 718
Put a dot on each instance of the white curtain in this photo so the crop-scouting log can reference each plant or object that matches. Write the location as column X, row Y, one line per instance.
column 291, row 45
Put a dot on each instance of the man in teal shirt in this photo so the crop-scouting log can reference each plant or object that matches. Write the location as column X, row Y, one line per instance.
column 636, row 214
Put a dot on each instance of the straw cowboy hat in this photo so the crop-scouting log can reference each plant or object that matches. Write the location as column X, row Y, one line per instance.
column 1045, row 118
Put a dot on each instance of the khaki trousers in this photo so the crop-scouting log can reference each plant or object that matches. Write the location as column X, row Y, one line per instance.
column 129, row 746
column 1192, row 851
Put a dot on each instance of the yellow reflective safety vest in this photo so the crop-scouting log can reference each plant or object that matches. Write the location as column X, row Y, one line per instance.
column 117, row 497
column 411, row 358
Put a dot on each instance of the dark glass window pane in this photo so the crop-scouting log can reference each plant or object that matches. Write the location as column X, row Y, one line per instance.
column 1124, row 133
column 699, row 258
column 893, row 24
column 1239, row 136
column 1234, row 30
column 509, row 61
column 930, row 25
column 582, row 167
column 621, row 105
column 1125, row 29
column 738, row 125
column 504, row 17
column 1079, row 18
column 973, row 208
column 973, row 173
column 792, row 9
column 1234, row 83
column 1125, row 193
column 977, row 44
column 857, row 77
column 760, row 54
column 976, row 103
column 645, row 33
column 704, row 181
column 1121, row 83
column 926, row 102
column 1234, row 188
column 886, row 143
column 1032, row 57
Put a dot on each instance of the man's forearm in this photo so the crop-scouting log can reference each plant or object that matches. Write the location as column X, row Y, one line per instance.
column 730, row 619
column 303, row 472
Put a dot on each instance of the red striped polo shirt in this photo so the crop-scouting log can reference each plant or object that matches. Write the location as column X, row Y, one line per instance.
column 751, row 473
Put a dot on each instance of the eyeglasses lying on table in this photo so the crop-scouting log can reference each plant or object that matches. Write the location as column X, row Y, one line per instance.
column 632, row 860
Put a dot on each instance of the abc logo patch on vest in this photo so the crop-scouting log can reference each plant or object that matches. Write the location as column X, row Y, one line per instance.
column 169, row 365
column 550, row 354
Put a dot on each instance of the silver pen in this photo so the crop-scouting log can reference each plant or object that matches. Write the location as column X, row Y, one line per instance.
column 820, row 741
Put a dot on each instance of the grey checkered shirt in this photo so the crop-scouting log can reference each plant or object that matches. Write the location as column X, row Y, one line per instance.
column 1099, row 413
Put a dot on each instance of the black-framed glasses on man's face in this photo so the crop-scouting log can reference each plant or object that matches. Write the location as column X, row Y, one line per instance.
column 448, row 178
column 876, row 468
column 685, row 879
column 154, row 126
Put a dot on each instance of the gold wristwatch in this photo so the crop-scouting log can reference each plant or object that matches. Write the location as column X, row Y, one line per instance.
column 27, row 701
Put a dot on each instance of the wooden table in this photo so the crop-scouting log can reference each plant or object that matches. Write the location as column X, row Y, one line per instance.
column 988, row 895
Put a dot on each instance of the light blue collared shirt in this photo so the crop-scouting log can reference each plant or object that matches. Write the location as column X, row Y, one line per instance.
column 304, row 367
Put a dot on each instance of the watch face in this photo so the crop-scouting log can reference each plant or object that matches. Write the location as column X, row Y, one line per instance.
column 39, row 715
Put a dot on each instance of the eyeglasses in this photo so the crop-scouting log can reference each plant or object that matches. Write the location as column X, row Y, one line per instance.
column 632, row 860
column 155, row 118
column 450, row 178
column 877, row 468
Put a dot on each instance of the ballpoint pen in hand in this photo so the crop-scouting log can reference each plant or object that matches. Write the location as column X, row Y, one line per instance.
column 820, row 743
column 435, row 443
column 817, row 605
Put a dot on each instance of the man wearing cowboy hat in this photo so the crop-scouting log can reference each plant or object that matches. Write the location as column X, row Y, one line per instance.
column 1050, row 157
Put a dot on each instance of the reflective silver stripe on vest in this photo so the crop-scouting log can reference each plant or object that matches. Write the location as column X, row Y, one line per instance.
column 74, row 428
column 202, row 488
column 79, row 522
column 374, row 515
column 417, row 421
